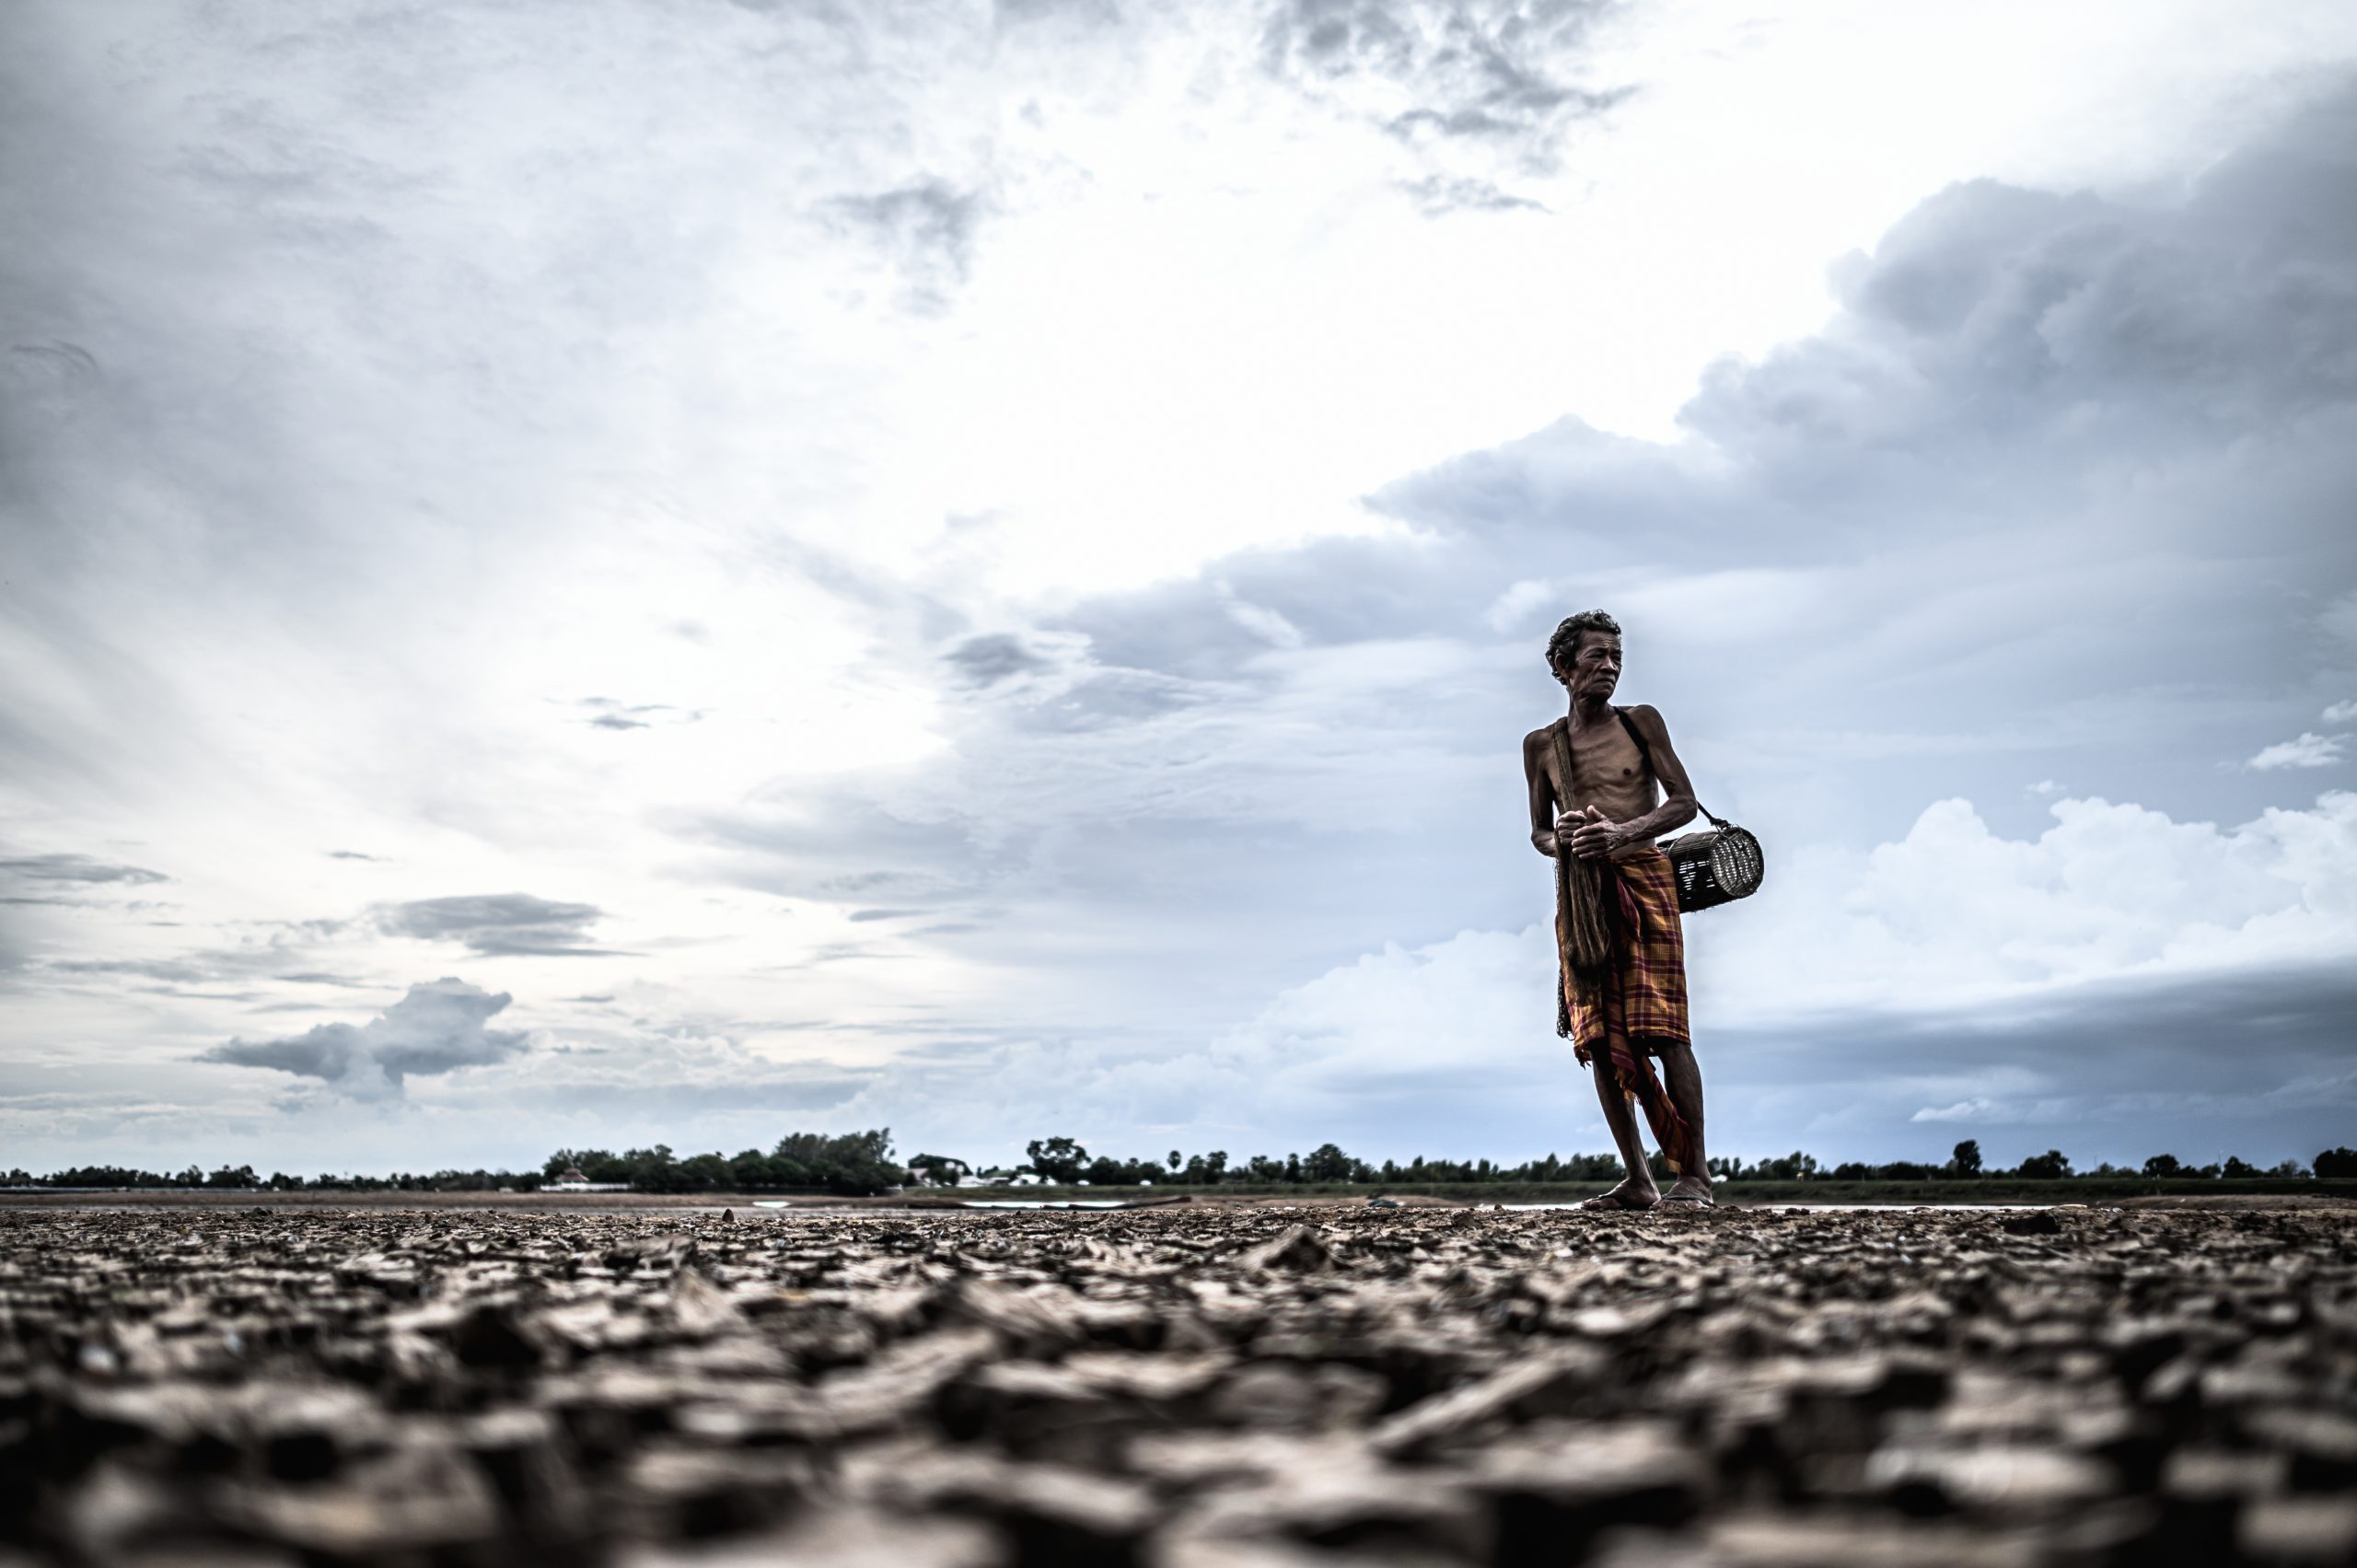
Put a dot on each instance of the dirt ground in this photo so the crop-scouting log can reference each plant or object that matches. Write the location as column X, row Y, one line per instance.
column 1189, row 1387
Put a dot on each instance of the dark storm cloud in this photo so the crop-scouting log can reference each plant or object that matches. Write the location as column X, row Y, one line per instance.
column 992, row 658
column 2207, row 317
column 75, row 868
column 498, row 925
column 1498, row 73
column 1999, row 341
column 437, row 1027
column 925, row 229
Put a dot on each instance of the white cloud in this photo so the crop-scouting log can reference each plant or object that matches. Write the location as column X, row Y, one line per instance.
column 2342, row 713
column 1955, row 918
column 1515, row 606
column 1962, row 1110
column 2310, row 750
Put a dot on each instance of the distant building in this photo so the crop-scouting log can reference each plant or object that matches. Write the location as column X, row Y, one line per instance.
column 571, row 1177
column 937, row 1171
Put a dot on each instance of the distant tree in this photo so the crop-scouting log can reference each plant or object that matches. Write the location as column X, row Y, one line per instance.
column 1967, row 1158
column 653, row 1171
column 1896, row 1170
column 2239, row 1169
column 2292, row 1169
column 2336, row 1162
column 1206, row 1170
column 2051, row 1166
column 2162, row 1166
column 1327, row 1162
column 850, row 1164
column 1057, row 1159
column 706, row 1173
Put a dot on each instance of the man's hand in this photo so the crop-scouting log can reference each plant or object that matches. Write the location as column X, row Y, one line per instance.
column 1594, row 835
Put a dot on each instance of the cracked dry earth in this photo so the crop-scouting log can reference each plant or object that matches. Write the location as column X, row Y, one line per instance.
column 1179, row 1389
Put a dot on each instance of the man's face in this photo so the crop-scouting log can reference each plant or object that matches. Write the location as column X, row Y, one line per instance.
column 1594, row 668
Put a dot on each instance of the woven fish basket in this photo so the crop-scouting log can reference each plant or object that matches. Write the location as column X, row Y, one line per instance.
column 1717, row 865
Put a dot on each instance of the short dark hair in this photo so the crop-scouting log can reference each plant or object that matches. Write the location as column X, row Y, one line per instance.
column 1565, row 643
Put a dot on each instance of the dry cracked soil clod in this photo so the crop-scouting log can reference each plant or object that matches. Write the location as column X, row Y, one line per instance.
column 1178, row 1388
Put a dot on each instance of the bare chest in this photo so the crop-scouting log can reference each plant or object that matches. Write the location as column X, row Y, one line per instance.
column 1605, row 769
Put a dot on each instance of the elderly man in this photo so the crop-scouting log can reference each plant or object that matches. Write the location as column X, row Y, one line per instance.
column 1604, row 782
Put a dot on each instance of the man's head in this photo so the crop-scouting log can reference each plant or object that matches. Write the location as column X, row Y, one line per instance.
column 1584, row 654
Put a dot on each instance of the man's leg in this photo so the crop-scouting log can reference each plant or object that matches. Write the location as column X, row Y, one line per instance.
column 1637, row 1190
column 1683, row 1078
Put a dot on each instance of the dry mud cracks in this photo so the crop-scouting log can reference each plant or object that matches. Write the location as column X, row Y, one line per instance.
column 1179, row 1389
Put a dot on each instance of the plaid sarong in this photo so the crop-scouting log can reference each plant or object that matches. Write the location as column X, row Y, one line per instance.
column 1643, row 999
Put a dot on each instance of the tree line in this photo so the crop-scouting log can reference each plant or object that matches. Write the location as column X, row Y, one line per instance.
column 1063, row 1160
column 861, row 1164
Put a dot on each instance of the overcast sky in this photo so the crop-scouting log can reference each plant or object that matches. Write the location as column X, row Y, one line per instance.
column 589, row 575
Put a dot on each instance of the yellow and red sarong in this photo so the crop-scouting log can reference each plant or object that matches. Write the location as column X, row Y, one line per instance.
column 1641, row 1000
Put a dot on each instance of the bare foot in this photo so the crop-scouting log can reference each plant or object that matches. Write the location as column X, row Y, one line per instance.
column 1630, row 1195
column 1691, row 1192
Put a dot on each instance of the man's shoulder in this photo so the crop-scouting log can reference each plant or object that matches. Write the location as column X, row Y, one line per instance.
column 1646, row 714
column 1538, row 737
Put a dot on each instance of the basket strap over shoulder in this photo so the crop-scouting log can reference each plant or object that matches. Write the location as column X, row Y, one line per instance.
column 1647, row 752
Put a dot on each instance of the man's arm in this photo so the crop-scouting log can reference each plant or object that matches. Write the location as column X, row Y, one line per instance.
column 1542, row 794
column 1678, row 807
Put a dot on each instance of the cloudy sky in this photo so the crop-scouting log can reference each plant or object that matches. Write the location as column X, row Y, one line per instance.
column 679, row 571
